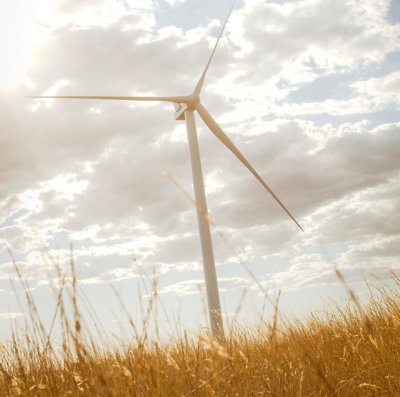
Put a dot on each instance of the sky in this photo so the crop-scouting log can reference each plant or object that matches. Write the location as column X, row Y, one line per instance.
column 309, row 92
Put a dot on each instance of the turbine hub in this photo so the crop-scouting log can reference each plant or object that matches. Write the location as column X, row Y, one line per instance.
column 190, row 103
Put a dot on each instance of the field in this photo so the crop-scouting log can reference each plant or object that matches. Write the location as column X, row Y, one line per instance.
column 352, row 351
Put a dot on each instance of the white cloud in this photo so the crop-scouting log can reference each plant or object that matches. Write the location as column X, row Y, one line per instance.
column 190, row 287
column 370, row 95
column 92, row 172
column 173, row 2
column 9, row 316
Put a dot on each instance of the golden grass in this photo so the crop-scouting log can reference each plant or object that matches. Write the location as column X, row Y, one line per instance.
column 354, row 351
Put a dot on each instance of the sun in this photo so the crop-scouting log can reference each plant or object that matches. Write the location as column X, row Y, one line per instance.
column 18, row 37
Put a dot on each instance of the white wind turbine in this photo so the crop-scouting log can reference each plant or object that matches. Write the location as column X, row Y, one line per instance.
column 185, row 106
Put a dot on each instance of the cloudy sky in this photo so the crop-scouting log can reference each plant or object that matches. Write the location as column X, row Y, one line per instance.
column 309, row 92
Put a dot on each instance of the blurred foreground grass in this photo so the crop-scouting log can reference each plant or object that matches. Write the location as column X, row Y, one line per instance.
column 353, row 351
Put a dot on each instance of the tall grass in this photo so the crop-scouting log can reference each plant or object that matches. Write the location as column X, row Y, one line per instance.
column 352, row 351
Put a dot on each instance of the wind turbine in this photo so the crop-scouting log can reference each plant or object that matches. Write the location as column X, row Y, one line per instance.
column 185, row 106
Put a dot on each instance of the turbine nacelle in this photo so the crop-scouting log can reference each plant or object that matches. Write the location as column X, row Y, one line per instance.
column 180, row 109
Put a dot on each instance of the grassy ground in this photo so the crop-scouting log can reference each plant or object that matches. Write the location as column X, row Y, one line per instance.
column 354, row 351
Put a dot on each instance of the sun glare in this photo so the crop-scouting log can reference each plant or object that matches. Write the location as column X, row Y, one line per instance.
column 24, row 24
column 18, row 37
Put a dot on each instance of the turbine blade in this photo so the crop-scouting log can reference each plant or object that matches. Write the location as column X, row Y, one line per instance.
column 173, row 99
column 200, row 83
column 220, row 134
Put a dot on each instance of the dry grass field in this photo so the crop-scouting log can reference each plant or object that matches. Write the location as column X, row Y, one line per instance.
column 353, row 351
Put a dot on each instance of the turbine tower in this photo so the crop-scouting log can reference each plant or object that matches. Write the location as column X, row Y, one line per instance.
column 185, row 106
